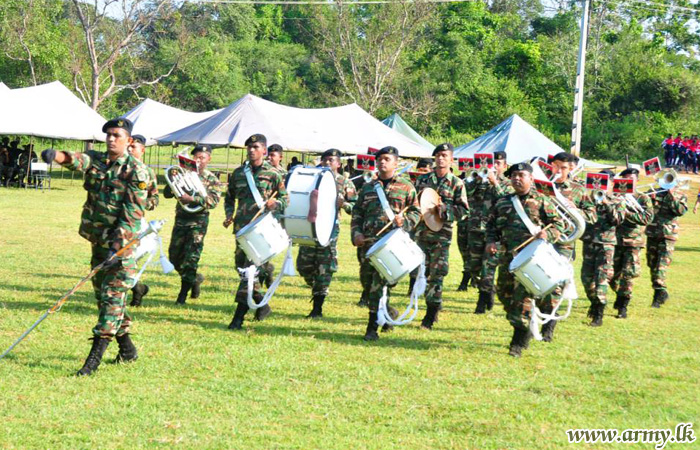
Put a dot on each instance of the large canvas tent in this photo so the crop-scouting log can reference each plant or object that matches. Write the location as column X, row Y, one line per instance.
column 49, row 111
column 152, row 119
column 396, row 122
column 348, row 128
column 3, row 87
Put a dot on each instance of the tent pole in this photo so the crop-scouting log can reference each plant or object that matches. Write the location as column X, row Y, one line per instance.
column 228, row 152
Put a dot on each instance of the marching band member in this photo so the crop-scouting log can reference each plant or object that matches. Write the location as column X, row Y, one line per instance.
column 266, row 183
column 598, row 251
column 497, row 186
column 318, row 264
column 368, row 218
column 630, row 240
column 662, row 234
column 436, row 244
column 137, row 149
column 274, row 157
column 187, row 239
column 116, row 184
column 511, row 228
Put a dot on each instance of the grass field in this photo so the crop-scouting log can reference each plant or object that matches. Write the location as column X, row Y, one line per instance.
column 290, row 382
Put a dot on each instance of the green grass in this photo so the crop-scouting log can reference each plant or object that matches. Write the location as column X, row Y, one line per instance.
column 290, row 382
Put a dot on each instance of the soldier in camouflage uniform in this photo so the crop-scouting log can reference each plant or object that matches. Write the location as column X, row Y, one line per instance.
column 576, row 193
column 504, row 225
column 318, row 264
column 630, row 240
column 269, row 183
column 598, row 252
column 497, row 185
column 137, row 149
column 266, row 272
column 662, row 234
column 187, row 239
column 463, row 246
column 368, row 218
column 436, row 244
column 116, row 185
column 425, row 165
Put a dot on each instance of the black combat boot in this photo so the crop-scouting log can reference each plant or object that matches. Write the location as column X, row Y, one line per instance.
column 138, row 293
column 516, row 341
column 393, row 313
column 184, row 290
column 489, row 301
column 660, row 297
column 482, row 303
column 621, row 306
column 317, row 310
column 197, row 286
column 429, row 318
column 238, row 316
column 127, row 350
column 525, row 339
column 548, row 330
column 464, row 284
column 262, row 312
column 411, row 283
column 99, row 345
column 363, row 303
column 598, row 314
column 371, row 333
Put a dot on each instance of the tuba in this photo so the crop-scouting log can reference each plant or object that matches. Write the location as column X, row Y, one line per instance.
column 183, row 182
column 574, row 221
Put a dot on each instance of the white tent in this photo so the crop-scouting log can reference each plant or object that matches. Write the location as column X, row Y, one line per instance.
column 3, row 87
column 152, row 119
column 348, row 128
column 396, row 122
column 50, row 111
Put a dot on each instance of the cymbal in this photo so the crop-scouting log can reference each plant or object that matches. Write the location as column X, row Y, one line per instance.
column 429, row 199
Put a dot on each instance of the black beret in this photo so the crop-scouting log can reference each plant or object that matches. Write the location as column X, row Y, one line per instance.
column 139, row 138
column 608, row 172
column 256, row 138
column 424, row 162
column 387, row 151
column 275, row 148
column 443, row 147
column 629, row 171
column 500, row 155
column 563, row 157
column 201, row 148
column 332, row 152
column 119, row 122
column 519, row 167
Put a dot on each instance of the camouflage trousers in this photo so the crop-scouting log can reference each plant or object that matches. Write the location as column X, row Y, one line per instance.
column 111, row 287
column 186, row 245
column 517, row 301
column 437, row 266
column 659, row 257
column 242, row 262
column 597, row 270
column 375, row 281
column 626, row 267
column 463, row 243
column 317, row 265
column 551, row 300
column 488, row 269
column 477, row 244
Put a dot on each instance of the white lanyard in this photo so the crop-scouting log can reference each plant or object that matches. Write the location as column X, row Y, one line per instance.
column 534, row 229
column 384, row 202
column 251, row 185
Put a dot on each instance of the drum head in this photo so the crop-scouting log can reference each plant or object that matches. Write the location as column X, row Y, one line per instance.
column 429, row 199
column 326, row 213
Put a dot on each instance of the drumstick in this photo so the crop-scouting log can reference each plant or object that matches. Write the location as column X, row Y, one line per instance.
column 388, row 224
column 262, row 209
column 530, row 240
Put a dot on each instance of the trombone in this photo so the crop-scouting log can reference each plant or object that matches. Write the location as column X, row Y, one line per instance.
column 666, row 180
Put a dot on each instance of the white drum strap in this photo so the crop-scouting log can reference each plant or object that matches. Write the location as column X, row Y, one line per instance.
column 383, row 201
column 539, row 318
column 165, row 264
column 412, row 308
column 251, row 185
column 251, row 272
column 534, row 229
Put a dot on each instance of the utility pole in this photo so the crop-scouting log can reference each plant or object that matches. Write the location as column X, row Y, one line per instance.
column 576, row 126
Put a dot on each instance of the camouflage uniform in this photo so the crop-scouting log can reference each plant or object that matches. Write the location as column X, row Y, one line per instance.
column 368, row 218
column 152, row 190
column 490, row 262
column 187, row 239
column 318, row 264
column 436, row 244
column 630, row 240
column 662, row 233
column 463, row 246
column 598, row 250
column 505, row 226
column 111, row 217
column 268, row 181
column 577, row 194
column 476, row 222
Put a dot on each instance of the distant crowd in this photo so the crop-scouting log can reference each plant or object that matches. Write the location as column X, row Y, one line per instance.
column 14, row 162
column 682, row 152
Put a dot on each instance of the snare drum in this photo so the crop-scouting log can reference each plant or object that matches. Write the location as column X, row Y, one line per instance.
column 540, row 268
column 311, row 213
column 395, row 255
column 262, row 239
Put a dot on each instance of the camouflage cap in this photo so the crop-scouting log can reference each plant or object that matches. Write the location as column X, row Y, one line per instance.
column 443, row 147
column 256, row 138
column 119, row 122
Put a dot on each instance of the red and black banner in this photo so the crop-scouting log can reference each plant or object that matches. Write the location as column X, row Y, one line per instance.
column 482, row 160
column 624, row 185
column 652, row 166
column 187, row 163
column 545, row 187
column 366, row 162
column 597, row 181
column 466, row 164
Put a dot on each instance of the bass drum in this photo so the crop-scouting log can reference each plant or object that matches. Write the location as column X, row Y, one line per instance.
column 311, row 213
column 395, row 255
column 540, row 268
